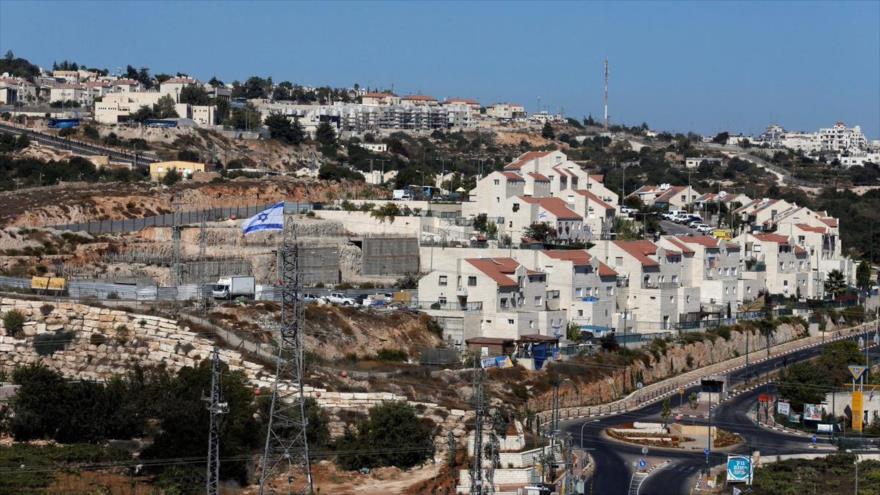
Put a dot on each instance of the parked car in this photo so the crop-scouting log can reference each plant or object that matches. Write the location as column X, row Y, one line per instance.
column 340, row 299
column 703, row 228
column 681, row 218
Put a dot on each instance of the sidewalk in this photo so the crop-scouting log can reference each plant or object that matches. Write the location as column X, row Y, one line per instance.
column 658, row 391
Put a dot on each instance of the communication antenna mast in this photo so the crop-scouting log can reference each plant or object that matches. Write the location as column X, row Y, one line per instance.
column 477, row 468
column 606, row 94
column 217, row 409
column 287, row 447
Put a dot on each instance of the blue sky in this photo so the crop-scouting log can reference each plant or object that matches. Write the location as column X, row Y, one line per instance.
column 704, row 66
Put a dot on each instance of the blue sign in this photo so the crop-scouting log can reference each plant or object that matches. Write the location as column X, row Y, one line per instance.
column 643, row 464
column 739, row 469
column 706, row 451
column 813, row 439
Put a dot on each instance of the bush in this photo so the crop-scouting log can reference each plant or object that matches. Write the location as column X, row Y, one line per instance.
column 47, row 309
column 13, row 322
column 97, row 339
column 393, row 435
column 394, row 355
column 48, row 343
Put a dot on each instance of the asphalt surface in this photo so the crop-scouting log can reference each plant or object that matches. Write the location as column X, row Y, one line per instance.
column 614, row 460
column 673, row 228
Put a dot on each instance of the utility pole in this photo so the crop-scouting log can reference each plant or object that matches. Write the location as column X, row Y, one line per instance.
column 217, row 409
column 477, row 467
column 286, row 440
column 175, row 240
column 203, row 262
column 606, row 95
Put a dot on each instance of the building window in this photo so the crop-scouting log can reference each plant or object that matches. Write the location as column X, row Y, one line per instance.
column 580, row 312
column 538, row 301
column 510, row 322
column 443, row 280
column 497, row 182
column 472, row 281
column 577, row 292
column 618, row 261
column 441, row 300
column 504, row 302
column 687, row 298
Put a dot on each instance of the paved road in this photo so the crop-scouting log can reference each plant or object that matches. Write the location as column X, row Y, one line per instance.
column 677, row 229
column 141, row 160
column 613, row 460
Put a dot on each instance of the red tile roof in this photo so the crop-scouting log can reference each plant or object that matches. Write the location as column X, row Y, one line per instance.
column 594, row 198
column 378, row 95
column 831, row 222
column 777, row 238
column 525, row 158
column 513, row 176
column 539, row 177
column 669, row 193
column 702, row 240
column 598, row 177
column 680, row 245
column 556, row 206
column 497, row 269
column 580, row 257
column 640, row 250
column 469, row 101
column 810, row 228
column 419, row 98
column 644, row 190
column 799, row 251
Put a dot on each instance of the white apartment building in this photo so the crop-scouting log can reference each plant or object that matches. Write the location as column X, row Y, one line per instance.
column 666, row 195
column 70, row 92
column 17, row 89
column 520, row 212
column 597, row 214
column 786, row 265
column 651, row 296
column 472, row 104
column 763, row 212
column 842, row 138
column 562, row 173
column 585, row 285
column 419, row 101
column 491, row 297
column 710, row 264
column 114, row 107
column 506, row 112
column 380, row 99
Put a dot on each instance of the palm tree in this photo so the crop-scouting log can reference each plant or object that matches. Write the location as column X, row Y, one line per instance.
column 835, row 284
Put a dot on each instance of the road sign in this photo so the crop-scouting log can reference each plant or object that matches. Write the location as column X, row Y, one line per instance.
column 644, row 450
column 643, row 464
column 639, row 385
column 681, row 391
column 706, row 451
column 856, row 370
column 824, row 428
column 813, row 439
column 739, row 469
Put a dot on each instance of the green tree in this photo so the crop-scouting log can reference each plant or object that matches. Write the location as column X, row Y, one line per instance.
column 164, row 108
column 721, row 138
column 247, row 117
column 325, row 135
column 666, row 412
column 13, row 323
column 171, row 177
column 863, row 276
column 281, row 128
column 393, row 435
column 835, row 283
column 194, row 94
column 541, row 232
column 547, row 131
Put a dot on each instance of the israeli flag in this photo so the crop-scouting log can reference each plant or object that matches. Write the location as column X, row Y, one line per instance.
column 271, row 218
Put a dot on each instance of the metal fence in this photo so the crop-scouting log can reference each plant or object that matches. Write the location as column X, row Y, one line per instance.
column 182, row 218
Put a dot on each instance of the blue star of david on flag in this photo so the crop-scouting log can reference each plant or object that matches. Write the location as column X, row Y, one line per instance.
column 271, row 218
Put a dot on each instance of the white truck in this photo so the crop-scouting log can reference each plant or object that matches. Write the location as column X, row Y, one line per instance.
column 340, row 298
column 401, row 195
column 234, row 286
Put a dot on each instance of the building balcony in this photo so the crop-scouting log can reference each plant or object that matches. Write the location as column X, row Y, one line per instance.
column 447, row 305
column 660, row 285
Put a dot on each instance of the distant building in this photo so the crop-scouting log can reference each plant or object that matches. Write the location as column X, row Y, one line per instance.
column 380, row 99
column 158, row 170
column 696, row 161
column 506, row 111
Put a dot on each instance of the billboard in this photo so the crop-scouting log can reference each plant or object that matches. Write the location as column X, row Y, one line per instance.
column 812, row 412
column 739, row 469
column 783, row 408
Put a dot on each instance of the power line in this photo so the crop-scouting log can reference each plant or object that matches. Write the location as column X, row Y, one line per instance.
column 217, row 409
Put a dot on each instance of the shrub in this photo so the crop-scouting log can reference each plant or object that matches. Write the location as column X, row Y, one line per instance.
column 393, row 432
column 97, row 339
column 13, row 322
column 47, row 309
column 395, row 355
column 48, row 343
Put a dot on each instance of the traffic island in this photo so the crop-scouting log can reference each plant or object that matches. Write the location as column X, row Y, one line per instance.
column 675, row 436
